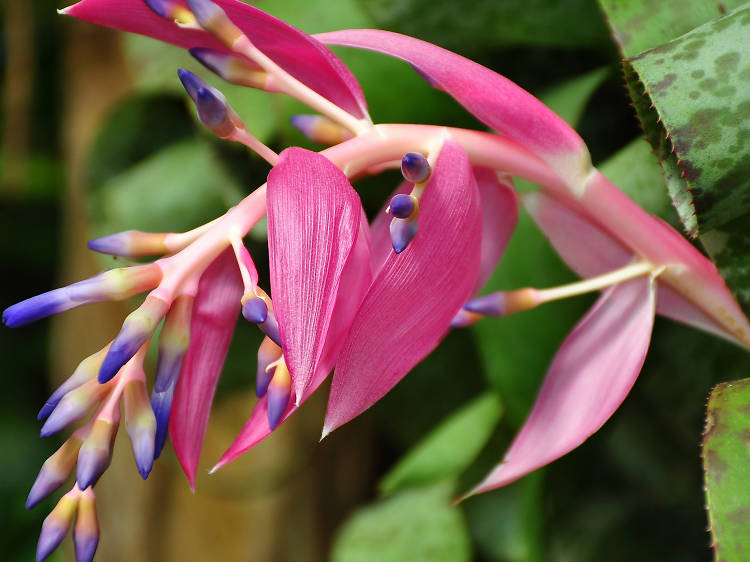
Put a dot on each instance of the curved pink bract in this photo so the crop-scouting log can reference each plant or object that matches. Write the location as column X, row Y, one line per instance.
column 415, row 295
column 490, row 97
column 591, row 374
column 299, row 54
column 215, row 313
column 314, row 218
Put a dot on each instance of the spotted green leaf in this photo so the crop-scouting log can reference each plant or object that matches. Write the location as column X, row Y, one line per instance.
column 449, row 449
column 726, row 460
column 638, row 25
column 417, row 524
column 694, row 91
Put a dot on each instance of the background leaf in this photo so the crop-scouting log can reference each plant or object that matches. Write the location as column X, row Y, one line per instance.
column 417, row 524
column 726, row 460
column 175, row 189
column 448, row 449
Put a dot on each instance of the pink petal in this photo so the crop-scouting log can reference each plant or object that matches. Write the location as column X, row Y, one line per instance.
column 670, row 304
column 499, row 219
column 414, row 297
column 492, row 98
column 583, row 246
column 215, row 312
column 299, row 54
column 691, row 274
column 593, row 371
column 589, row 250
column 314, row 222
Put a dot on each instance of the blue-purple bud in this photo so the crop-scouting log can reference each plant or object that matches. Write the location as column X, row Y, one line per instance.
column 268, row 352
column 116, row 284
column 54, row 471
column 214, row 19
column 255, row 310
column 491, row 304
column 161, row 403
column 162, row 8
column 138, row 327
column 56, row 525
column 96, row 452
column 402, row 205
column 140, row 424
column 415, row 167
column 85, row 371
column 279, row 391
column 213, row 109
column 271, row 328
column 73, row 407
column 86, row 529
column 402, row 232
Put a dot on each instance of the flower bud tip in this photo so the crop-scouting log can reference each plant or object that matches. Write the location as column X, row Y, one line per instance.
column 402, row 205
column 415, row 168
column 402, row 232
column 255, row 310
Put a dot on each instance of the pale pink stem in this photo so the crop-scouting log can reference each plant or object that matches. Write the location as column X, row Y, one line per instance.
column 299, row 91
column 242, row 136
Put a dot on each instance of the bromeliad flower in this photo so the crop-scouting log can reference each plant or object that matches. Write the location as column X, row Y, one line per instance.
column 347, row 294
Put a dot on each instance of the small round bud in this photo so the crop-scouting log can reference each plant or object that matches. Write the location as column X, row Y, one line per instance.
column 415, row 167
column 402, row 205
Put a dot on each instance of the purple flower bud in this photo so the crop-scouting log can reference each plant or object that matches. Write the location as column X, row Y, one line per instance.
column 56, row 525
column 74, row 406
column 213, row 110
column 415, row 167
column 140, row 424
column 161, row 403
column 96, row 452
column 232, row 68
column 86, row 529
column 54, row 471
column 116, row 284
column 271, row 328
column 214, row 20
column 268, row 352
column 138, row 327
column 402, row 232
column 402, row 205
column 163, row 8
column 279, row 391
column 131, row 243
column 492, row 304
column 320, row 129
column 255, row 310
column 85, row 371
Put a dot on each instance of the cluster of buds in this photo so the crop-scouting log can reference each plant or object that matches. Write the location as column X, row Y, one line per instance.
column 335, row 279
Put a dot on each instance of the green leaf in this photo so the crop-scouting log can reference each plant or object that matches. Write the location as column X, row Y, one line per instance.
column 729, row 248
column 506, row 523
column 417, row 524
column 175, row 189
column 449, row 449
column 726, row 460
column 694, row 91
column 487, row 23
column 638, row 25
column 569, row 99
